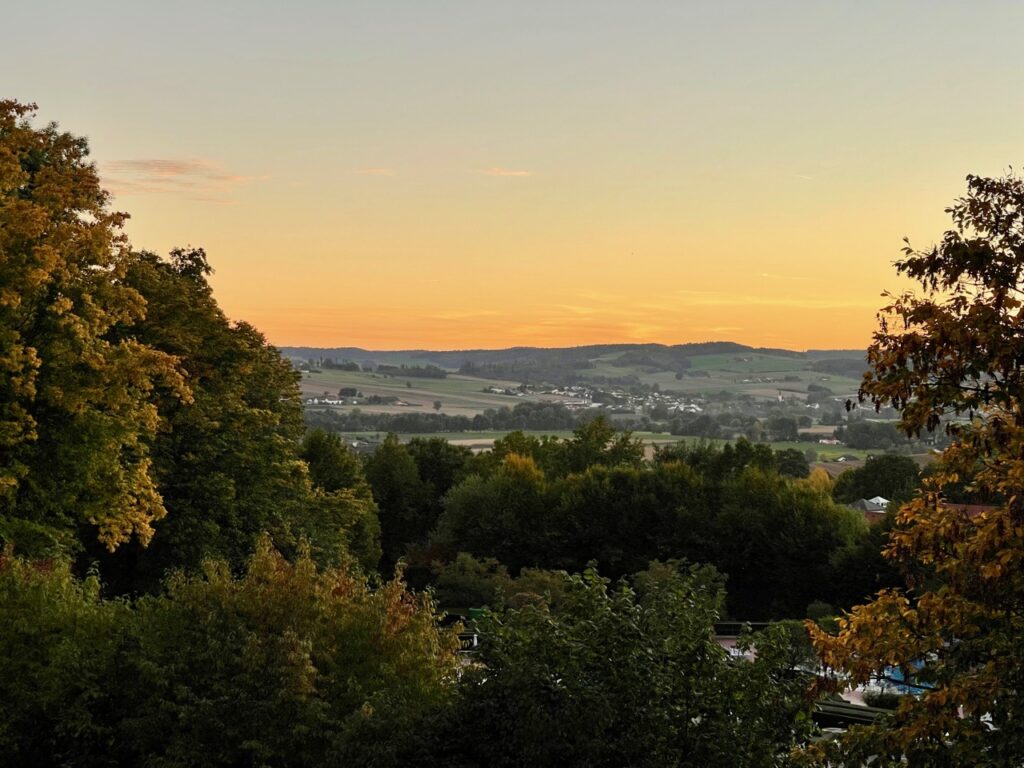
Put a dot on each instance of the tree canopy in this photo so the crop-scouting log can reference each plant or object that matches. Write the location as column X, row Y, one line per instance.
column 78, row 407
column 953, row 350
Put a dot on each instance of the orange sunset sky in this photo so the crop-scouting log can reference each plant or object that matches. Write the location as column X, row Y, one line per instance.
column 475, row 174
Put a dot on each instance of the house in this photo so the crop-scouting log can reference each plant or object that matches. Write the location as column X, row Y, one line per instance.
column 873, row 509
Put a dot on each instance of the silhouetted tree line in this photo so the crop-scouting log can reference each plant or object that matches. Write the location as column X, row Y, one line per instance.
column 526, row 416
column 414, row 371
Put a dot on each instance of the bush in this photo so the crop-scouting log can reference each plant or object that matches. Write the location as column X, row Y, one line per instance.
column 882, row 699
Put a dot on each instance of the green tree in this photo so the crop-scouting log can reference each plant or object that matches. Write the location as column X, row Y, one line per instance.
column 400, row 496
column 332, row 466
column 440, row 464
column 597, row 442
column 619, row 677
column 77, row 399
column 469, row 582
column 227, row 460
column 775, row 539
column 952, row 350
column 506, row 516
column 792, row 463
column 62, row 678
column 623, row 517
column 287, row 665
column 781, row 429
column 343, row 516
column 890, row 476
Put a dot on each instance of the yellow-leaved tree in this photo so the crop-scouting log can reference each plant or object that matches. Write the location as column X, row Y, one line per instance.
column 952, row 355
column 76, row 396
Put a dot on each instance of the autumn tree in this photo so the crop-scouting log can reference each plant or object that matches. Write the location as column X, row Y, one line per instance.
column 227, row 461
column 77, row 399
column 952, row 353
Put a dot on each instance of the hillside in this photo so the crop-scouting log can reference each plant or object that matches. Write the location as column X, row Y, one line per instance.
column 724, row 362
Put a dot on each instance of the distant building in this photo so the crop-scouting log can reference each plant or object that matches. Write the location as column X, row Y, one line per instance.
column 873, row 509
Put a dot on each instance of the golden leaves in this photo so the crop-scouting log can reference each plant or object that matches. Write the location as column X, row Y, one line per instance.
column 76, row 402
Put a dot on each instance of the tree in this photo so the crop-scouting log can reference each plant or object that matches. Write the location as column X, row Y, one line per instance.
column 781, row 429
column 506, row 516
column 438, row 405
column 400, row 496
column 285, row 665
column 623, row 676
column 955, row 350
column 227, row 461
column 598, row 443
column 775, row 538
column 332, row 466
column 890, row 476
column 792, row 462
column 623, row 517
column 77, row 398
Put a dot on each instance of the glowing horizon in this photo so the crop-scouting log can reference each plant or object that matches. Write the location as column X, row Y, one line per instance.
column 397, row 176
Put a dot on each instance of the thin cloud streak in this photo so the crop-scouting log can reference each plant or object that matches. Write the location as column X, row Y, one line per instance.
column 374, row 172
column 197, row 179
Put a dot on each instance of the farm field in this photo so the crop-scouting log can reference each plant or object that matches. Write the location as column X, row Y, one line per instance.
column 701, row 369
column 737, row 373
column 459, row 395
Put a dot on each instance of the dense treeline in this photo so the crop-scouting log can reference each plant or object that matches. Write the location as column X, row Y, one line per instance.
column 413, row 371
column 545, row 503
column 291, row 665
column 525, row 416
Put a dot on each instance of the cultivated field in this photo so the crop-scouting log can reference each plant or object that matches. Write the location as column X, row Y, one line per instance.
column 738, row 373
column 459, row 395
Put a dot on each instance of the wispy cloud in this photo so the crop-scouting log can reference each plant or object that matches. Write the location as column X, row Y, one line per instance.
column 194, row 178
column 374, row 172
column 504, row 172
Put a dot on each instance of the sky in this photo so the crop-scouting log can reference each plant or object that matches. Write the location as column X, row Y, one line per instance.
column 454, row 175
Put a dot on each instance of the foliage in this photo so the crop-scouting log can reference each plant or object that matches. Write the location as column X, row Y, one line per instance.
column 621, row 677
column 775, row 540
column 332, row 466
column 401, row 497
column 782, row 542
column 62, row 690
column 554, row 416
column 882, row 699
column 468, row 582
column 890, row 476
column 77, row 410
column 871, row 435
column 227, row 461
column 344, row 514
column 286, row 666
column 792, row 463
column 506, row 516
column 955, row 349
